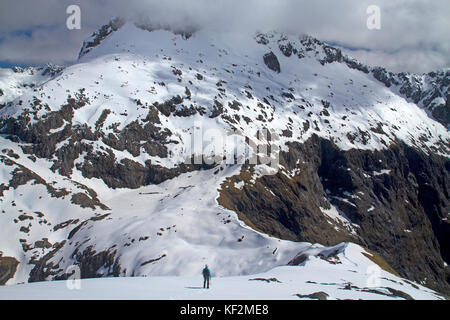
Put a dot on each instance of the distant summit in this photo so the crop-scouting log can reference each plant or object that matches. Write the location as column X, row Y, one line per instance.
column 116, row 23
column 97, row 37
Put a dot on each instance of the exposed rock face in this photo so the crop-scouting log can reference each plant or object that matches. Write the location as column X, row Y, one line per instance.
column 42, row 267
column 90, row 262
column 101, row 34
column 271, row 61
column 103, row 165
column 315, row 296
column 8, row 266
column 398, row 197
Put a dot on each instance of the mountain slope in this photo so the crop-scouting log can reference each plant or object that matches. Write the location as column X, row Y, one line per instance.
column 334, row 273
column 99, row 170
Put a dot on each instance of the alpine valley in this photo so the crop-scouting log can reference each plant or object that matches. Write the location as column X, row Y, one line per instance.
column 94, row 171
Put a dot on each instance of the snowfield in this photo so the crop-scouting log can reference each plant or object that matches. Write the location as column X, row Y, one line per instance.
column 349, row 275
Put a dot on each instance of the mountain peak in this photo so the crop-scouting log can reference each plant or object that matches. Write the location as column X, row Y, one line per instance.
column 118, row 22
column 98, row 36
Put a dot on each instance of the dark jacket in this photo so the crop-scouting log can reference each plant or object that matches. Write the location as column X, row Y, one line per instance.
column 206, row 273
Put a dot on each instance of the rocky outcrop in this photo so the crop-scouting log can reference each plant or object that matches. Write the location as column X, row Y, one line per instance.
column 89, row 261
column 22, row 175
column 271, row 61
column 43, row 267
column 431, row 91
column 314, row 296
column 8, row 266
column 69, row 141
column 100, row 35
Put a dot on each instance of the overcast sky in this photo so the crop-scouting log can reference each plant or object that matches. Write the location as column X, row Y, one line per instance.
column 413, row 35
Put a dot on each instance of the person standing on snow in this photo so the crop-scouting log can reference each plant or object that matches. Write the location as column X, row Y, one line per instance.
column 206, row 277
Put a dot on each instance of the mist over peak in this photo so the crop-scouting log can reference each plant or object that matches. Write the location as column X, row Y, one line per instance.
column 412, row 36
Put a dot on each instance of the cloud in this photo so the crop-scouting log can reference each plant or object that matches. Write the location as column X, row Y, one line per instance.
column 42, row 45
column 413, row 35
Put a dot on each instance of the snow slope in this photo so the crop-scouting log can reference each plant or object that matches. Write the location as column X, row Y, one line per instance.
column 343, row 277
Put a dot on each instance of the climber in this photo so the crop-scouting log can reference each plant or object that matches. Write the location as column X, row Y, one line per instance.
column 206, row 276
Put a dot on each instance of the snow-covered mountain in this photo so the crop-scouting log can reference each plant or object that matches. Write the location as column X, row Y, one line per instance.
column 98, row 161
